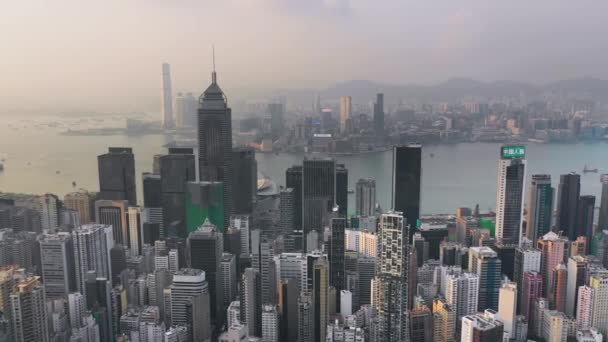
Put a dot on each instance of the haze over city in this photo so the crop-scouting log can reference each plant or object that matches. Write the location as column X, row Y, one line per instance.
column 104, row 55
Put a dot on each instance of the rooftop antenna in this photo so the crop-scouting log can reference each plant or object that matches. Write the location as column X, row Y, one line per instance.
column 213, row 75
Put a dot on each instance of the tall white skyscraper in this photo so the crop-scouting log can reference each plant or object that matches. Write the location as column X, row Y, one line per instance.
column 134, row 218
column 57, row 257
column 76, row 309
column 510, row 194
column 167, row 98
column 28, row 311
column 584, row 307
column 47, row 208
column 599, row 309
column 507, row 307
column 190, row 288
column 270, row 324
column 461, row 293
column 92, row 244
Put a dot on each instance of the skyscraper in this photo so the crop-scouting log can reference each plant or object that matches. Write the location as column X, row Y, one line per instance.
column 577, row 276
column 251, row 301
column 245, row 179
column 28, row 311
column 167, row 98
column 407, row 170
column 568, row 194
column 532, row 288
column 205, row 248
column 599, row 308
column 215, row 141
column 540, row 207
column 560, row 282
column 136, row 236
column 117, row 175
column 270, row 323
column 481, row 328
column 507, row 306
column 229, row 269
column 584, row 307
column 552, row 248
column 336, row 254
column 379, row 117
column 320, row 298
column 461, row 294
column 319, row 191
column 485, row 263
column 293, row 179
column 189, row 294
column 204, row 201
column 114, row 213
column 584, row 219
column 80, row 202
column 92, row 244
column 287, row 212
column 57, row 256
column 390, row 286
column 48, row 209
column 510, row 194
column 345, row 110
column 341, row 200
column 526, row 260
column 602, row 223
column 176, row 169
column 262, row 259
column 153, row 206
column 366, row 197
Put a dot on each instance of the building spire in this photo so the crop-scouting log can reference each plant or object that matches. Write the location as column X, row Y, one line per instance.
column 213, row 74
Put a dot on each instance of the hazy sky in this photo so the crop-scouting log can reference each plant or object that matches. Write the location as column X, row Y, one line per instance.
column 106, row 54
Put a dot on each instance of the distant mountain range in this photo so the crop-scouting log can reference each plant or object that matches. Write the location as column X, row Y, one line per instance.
column 454, row 89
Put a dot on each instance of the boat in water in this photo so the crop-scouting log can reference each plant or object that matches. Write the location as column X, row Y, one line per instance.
column 586, row 169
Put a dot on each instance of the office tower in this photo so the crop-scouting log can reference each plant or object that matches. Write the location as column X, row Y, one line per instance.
column 540, row 207
column 215, row 141
column 92, row 244
column 540, row 306
column 526, row 260
column 320, row 276
column 28, row 311
column 251, row 301
column 180, row 110
column 287, row 212
column 57, row 255
column 76, row 309
column 444, row 317
column 552, row 248
column 153, row 208
column 531, row 289
column 421, row 324
column 510, row 194
column 568, row 194
column 341, row 200
column 484, row 262
column 48, row 209
column 233, row 313
column 204, row 201
column 305, row 318
column 245, row 179
column 577, row 275
column 276, row 112
column 481, row 328
column 584, row 219
column 506, row 254
column 117, row 175
column 114, row 213
column 407, row 169
column 177, row 168
column 602, row 223
column 262, row 259
column 229, row 269
column 270, row 323
column 167, row 98
column 560, row 282
column 390, row 286
column 345, row 112
column 379, row 118
column 336, row 254
column 242, row 223
column 80, row 202
column 507, row 307
column 135, row 237
column 294, row 180
column 288, row 304
column 319, row 191
column 462, row 295
column 366, row 197
column 205, row 251
column 599, row 309
column 584, row 307
column 187, row 285
column 367, row 268
column 346, row 303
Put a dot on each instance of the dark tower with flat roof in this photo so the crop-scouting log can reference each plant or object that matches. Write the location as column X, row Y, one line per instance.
column 117, row 175
column 407, row 170
column 568, row 194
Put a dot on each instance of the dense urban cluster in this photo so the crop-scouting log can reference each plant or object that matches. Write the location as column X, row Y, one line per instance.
column 213, row 253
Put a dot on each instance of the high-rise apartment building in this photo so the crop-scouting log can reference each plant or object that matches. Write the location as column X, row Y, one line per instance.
column 557, row 296
column 270, row 323
column 48, row 209
column 527, row 259
column 552, row 248
column 215, row 141
column 462, row 294
column 57, row 257
column 482, row 328
column 507, row 307
column 531, row 288
column 190, row 299
column 366, row 197
column 320, row 298
column 251, row 301
column 568, row 194
column 584, row 307
column 407, row 170
column 167, row 97
column 29, row 320
column 510, row 194
column 117, row 175
column 80, row 202
column 540, row 207
column 599, row 309
column 92, row 244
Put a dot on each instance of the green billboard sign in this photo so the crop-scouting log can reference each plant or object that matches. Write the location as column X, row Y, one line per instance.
column 509, row 152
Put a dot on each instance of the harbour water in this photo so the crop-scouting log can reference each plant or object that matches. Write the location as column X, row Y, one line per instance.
column 39, row 159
